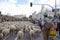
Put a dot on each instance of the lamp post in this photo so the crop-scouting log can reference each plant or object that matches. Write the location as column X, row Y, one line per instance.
column 55, row 10
column 55, row 6
column 31, row 4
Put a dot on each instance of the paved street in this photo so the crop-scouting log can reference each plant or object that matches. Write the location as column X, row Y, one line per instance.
column 13, row 37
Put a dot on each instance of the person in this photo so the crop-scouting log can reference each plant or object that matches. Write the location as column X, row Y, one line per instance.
column 39, row 24
column 45, row 29
column 58, row 26
column 55, row 23
column 42, row 23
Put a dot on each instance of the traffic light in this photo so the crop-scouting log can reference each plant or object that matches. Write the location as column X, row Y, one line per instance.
column 31, row 4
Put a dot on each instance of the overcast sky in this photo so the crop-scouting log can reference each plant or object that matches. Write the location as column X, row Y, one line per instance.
column 17, row 7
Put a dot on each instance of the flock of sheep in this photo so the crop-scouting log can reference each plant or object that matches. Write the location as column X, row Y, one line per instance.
column 21, row 27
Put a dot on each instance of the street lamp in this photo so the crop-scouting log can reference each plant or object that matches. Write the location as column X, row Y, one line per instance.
column 55, row 10
column 31, row 4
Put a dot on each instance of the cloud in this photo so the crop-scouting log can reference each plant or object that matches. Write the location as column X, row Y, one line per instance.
column 12, row 7
column 12, row 1
column 31, row 0
column 50, row 2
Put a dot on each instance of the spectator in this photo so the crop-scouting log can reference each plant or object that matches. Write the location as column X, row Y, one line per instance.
column 58, row 26
column 39, row 24
column 42, row 23
column 45, row 29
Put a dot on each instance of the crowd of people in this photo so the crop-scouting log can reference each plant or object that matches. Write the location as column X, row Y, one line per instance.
column 49, row 27
column 9, row 19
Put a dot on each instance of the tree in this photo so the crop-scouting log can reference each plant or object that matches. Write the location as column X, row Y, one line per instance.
column 58, row 15
column 30, row 16
column 24, row 18
column 50, row 17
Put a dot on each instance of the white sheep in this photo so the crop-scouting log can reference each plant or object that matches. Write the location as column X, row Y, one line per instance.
column 26, row 30
column 18, row 27
column 12, row 29
column 32, row 34
column 37, row 30
column 37, row 27
column 1, row 35
column 5, row 33
column 1, row 28
column 20, row 35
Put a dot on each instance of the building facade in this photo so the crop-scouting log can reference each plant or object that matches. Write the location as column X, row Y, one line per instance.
column 41, row 14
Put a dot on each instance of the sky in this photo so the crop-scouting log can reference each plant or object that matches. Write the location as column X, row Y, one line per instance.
column 22, row 7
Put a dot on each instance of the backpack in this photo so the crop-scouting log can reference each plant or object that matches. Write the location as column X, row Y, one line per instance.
column 52, row 33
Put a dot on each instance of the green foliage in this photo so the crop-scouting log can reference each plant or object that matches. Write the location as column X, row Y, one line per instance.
column 24, row 18
column 58, row 16
column 30, row 16
column 50, row 17
column 4, row 16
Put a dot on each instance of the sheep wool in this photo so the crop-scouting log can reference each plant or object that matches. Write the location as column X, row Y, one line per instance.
column 5, row 32
column 32, row 33
column 20, row 35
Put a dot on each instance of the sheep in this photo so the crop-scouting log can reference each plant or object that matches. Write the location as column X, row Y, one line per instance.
column 12, row 29
column 32, row 34
column 20, row 35
column 19, row 27
column 37, row 27
column 37, row 30
column 26, row 30
column 32, row 27
column 29, row 27
column 34, row 31
column 5, row 33
column 1, row 36
column 1, row 28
